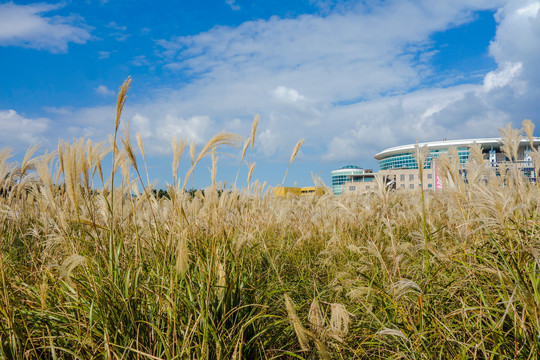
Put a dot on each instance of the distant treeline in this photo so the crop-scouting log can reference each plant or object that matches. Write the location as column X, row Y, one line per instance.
column 192, row 192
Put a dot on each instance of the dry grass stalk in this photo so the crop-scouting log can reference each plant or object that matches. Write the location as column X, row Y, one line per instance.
column 213, row 171
column 254, row 130
column 221, row 139
column 141, row 146
column 121, row 101
column 528, row 127
column 5, row 169
column 69, row 264
column 301, row 334
column 178, row 146
column 242, row 155
column 221, row 280
column 339, row 321
column 421, row 154
column 293, row 155
column 484, row 238
column 510, row 139
column 128, row 148
column 192, row 152
column 182, row 255
column 251, row 168
column 28, row 163
column 316, row 319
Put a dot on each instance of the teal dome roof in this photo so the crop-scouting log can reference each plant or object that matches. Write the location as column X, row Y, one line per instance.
column 351, row 167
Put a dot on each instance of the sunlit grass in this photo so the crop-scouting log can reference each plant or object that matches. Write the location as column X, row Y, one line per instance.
column 237, row 273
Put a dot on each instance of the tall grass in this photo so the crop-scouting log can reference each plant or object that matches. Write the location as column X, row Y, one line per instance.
column 88, row 273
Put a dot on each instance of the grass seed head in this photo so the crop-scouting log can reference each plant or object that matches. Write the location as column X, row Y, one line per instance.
column 297, row 325
column 141, row 146
column 339, row 321
column 69, row 264
column 528, row 127
column 120, row 101
column 316, row 319
column 254, row 130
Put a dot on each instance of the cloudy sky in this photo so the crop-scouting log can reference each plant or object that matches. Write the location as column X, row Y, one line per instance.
column 352, row 77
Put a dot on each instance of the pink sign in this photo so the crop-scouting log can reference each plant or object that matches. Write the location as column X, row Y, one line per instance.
column 438, row 180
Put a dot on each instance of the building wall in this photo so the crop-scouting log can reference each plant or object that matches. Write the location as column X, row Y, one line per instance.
column 407, row 160
column 409, row 179
column 399, row 163
column 339, row 177
column 358, row 187
column 282, row 191
column 404, row 179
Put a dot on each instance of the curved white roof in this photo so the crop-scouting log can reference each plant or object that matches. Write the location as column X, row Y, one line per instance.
column 434, row 145
column 348, row 171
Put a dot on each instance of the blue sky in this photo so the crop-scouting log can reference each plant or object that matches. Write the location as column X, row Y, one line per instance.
column 352, row 77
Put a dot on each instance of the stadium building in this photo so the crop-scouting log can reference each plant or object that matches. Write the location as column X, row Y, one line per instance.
column 346, row 174
column 399, row 168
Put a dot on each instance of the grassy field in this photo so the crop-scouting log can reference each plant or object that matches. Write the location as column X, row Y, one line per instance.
column 92, row 273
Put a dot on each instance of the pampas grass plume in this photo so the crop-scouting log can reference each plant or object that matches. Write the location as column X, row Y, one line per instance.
column 120, row 101
column 141, row 146
column 316, row 319
column 251, row 168
column 293, row 155
column 297, row 325
column 528, row 127
column 254, row 129
column 339, row 321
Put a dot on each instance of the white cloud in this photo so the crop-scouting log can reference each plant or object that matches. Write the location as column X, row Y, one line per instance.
column 157, row 128
column 58, row 110
column 457, row 112
column 26, row 26
column 347, row 82
column 142, row 125
column 158, row 133
column 119, row 31
column 316, row 68
column 530, row 10
column 232, row 3
column 503, row 76
column 19, row 131
column 103, row 55
column 140, row 60
column 518, row 38
column 96, row 122
column 286, row 94
column 104, row 90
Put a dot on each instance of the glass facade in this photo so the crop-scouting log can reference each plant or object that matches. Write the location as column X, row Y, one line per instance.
column 407, row 160
column 341, row 176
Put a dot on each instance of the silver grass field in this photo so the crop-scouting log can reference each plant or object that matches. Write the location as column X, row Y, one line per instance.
column 107, row 272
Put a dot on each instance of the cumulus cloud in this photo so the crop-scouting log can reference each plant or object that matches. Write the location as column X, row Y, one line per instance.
column 517, row 38
column 286, row 94
column 157, row 133
column 345, row 76
column 503, row 76
column 156, row 126
column 508, row 94
column 27, row 26
column 529, row 10
column 104, row 90
column 19, row 131
column 346, row 81
column 457, row 112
